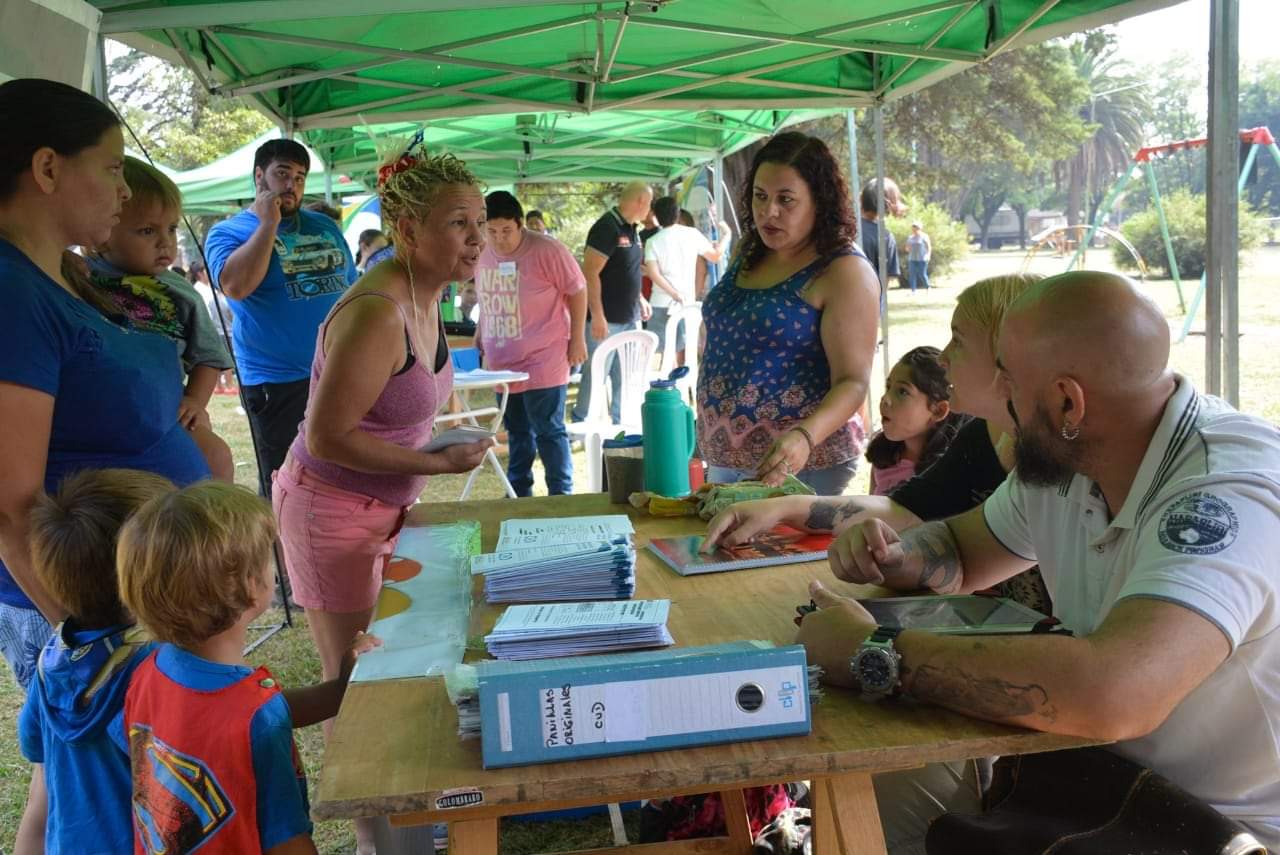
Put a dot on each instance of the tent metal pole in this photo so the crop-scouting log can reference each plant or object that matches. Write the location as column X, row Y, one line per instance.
column 851, row 131
column 328, row 184
column 396, row 53
column 937, row 37
column 717, row 189
column 802, row 40
column 1222, row 314
column 877, row 113
column 101, row 80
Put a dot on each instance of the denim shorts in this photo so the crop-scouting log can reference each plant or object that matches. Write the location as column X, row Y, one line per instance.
column 23, row 634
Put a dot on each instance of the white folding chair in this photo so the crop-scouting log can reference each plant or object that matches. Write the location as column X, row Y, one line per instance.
column 634, row 352
column 691, row 314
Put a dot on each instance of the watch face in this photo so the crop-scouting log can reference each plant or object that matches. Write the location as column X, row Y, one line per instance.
column 874, row 670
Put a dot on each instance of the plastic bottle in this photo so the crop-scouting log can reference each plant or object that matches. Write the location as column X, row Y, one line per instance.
column 669, row 437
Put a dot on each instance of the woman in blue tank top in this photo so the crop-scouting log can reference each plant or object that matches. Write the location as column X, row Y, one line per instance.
column 791, row 331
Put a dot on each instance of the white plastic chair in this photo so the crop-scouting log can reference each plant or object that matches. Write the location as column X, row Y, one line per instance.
column 634, row 350
column 691, row 314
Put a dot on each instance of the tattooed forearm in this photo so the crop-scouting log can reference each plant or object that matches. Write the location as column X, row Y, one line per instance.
column 931, row 551
column 826, row 514
column 985, row 697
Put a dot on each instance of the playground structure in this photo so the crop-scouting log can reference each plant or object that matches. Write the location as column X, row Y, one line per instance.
column 1064, row 239
column 1254, row 138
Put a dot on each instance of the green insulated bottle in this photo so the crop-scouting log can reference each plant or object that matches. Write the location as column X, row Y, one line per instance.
column 669, row 437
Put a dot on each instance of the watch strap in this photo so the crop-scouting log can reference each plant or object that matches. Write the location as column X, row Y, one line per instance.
column 885, row 633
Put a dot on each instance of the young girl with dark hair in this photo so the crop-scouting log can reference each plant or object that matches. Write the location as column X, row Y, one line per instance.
column 917, row 422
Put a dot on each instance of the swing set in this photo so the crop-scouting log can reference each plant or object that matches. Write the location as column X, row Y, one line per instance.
column 1254, row 138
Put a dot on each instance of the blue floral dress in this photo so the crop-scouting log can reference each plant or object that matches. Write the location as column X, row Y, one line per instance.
column 763, row 370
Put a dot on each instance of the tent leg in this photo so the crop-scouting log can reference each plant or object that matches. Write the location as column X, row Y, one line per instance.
column 877, row 114
column 1222, row 313
column 851, row 131
column 101, row 80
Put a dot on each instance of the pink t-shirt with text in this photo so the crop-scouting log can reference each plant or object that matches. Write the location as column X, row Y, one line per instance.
column 524, row 316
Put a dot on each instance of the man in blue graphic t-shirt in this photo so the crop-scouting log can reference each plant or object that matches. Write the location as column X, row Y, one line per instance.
column 282, row 268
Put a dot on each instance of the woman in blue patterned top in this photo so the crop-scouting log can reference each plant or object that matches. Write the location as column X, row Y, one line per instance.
column 791, row 331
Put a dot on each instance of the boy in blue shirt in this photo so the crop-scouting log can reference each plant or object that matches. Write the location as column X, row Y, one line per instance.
column 282, row 268
column 83, row 671
column 195, row 567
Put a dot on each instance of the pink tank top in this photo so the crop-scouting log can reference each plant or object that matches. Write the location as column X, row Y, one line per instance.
column 403, row 414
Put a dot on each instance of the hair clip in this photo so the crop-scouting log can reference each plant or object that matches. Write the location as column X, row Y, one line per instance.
column 406, row 160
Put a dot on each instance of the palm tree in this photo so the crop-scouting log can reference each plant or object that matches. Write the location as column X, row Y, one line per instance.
column 1117, row 110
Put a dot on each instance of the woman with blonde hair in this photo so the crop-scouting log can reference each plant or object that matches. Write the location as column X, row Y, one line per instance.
column 381, row 372
column 974, row 465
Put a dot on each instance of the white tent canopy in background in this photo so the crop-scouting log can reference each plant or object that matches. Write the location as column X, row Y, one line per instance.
column 55, row 39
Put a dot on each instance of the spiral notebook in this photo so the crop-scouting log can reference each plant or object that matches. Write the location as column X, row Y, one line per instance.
column 778, row 545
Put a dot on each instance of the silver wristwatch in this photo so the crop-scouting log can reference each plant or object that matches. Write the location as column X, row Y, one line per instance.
column 875, row 667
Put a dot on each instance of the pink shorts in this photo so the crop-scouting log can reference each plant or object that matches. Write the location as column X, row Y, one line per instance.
column 336, row 543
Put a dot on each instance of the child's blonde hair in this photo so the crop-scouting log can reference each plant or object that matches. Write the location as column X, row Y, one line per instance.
column 987, row 301
column 74, row 534
column 411, row 186
column 191, row 562
column 148, row 184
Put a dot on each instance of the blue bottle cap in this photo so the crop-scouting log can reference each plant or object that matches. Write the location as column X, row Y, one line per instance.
column 677, row 373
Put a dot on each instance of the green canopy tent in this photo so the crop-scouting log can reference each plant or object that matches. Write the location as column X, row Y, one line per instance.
column 319, row 65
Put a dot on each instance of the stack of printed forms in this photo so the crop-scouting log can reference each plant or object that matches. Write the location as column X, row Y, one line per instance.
column 575, row 558
column 572, row 629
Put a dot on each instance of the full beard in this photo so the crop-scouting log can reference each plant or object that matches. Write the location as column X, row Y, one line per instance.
column 1043, row 460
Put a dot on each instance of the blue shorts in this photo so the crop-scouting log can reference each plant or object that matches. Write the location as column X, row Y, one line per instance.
column 23, row 634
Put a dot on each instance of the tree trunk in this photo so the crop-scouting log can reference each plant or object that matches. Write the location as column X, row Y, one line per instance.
column 1021, row 211
column 1075, row 191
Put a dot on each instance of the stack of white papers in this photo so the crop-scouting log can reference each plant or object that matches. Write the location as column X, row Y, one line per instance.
column 574, row 558
column 594, row 570
column 571, row 629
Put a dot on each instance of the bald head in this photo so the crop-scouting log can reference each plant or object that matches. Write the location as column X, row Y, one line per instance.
column 634, row 201
column 1095, row 327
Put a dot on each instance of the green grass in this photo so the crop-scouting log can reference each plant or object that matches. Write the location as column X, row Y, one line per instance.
column 922, row 319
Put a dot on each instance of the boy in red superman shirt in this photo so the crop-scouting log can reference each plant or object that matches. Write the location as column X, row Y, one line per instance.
column 214, row 764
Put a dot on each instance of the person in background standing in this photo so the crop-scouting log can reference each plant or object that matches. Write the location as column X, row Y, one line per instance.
column 670, row 260
column 919, row 251
column 283, row 268
column 532, row 319
column 534, row 221
column 611, row 265
column 869, row 226
column 369, row 242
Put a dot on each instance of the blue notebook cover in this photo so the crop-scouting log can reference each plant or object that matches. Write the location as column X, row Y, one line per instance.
column 550, row 710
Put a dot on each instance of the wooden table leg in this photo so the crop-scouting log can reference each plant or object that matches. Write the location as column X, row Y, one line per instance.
column 474, row 837
column 736, row 824
column 846, row 820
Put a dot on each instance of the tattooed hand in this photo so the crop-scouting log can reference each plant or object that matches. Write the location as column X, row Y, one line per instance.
column 923, row 557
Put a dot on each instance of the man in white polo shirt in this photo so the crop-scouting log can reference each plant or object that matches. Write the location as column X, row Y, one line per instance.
column 1153, row 512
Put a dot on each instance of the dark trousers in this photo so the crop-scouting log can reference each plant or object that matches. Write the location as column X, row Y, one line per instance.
column 535, row 425
column 275, row 410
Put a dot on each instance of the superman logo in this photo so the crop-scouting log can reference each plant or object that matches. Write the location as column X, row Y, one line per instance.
column 178, row 804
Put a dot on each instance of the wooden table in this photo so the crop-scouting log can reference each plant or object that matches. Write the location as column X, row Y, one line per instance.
column 394, row 748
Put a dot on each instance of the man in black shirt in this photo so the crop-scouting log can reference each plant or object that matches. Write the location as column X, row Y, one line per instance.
column 611, row 265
